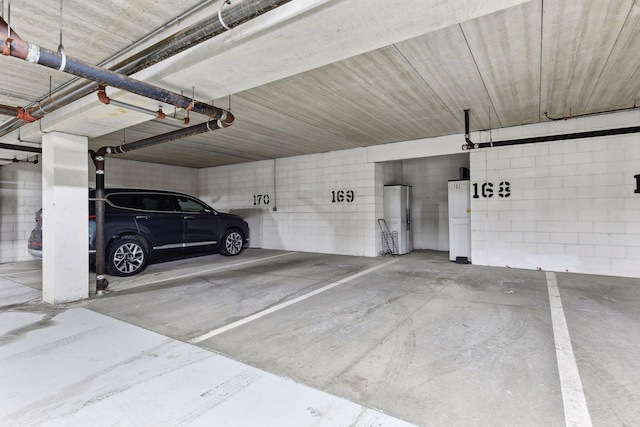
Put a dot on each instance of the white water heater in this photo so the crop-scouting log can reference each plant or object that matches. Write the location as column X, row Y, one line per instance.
column 397, row 214
column 459, row 221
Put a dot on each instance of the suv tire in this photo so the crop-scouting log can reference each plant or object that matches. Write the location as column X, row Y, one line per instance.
column 232, row 243
column 127, row 256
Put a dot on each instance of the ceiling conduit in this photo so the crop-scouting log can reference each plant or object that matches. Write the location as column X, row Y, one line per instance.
column 470, row 145
column 199, row 32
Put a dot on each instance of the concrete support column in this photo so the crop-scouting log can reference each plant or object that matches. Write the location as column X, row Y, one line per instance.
column 65, row 213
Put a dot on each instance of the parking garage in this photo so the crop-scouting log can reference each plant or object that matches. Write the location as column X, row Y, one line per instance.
column 322, row 319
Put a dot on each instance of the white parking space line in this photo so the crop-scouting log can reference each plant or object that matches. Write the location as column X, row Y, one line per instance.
column 576, row 412
column 278, row 307
column 130, row 285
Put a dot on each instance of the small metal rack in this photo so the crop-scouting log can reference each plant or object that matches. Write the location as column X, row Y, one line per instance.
column 389, row 239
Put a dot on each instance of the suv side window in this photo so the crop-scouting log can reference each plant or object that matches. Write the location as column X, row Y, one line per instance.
column 147, row 202
column 124, row 200
column 156, row 202
column 190, row 205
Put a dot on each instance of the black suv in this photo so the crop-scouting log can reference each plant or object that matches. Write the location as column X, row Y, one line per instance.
column 140, row 224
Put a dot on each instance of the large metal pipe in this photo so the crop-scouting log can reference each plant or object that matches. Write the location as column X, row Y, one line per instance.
column 21, row 49
column 170, row 136
column 199, row 32
column 234, row 15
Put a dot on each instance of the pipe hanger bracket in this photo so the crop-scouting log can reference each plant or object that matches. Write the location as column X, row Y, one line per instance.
column 226, row 27
column 63, row 60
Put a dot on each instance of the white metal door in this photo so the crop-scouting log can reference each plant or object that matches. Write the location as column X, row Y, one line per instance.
column 459, row 220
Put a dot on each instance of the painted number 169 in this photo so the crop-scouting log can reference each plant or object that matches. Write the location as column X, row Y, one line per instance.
column 340, row 196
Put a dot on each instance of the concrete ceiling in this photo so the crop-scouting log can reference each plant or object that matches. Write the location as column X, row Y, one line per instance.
column 322, row 75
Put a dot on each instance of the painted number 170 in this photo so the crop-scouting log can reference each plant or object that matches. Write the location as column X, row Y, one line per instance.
column 260, row 199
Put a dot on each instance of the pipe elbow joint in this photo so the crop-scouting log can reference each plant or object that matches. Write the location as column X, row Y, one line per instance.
column 25, row 115
column 102, row 95
column 227, row 119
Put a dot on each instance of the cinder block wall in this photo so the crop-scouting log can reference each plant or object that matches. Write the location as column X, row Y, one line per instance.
column 571, row 205
column 561, row 206
column 323, row 202
column 20, row 198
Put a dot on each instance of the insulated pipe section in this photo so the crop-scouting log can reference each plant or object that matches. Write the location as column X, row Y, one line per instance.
column 199, row 32
column 209, row 126
column 59, row 61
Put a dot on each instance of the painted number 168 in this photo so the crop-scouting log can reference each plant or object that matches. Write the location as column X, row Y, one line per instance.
column 487, row 189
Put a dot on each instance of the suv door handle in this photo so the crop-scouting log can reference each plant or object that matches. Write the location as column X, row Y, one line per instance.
column 188, row 217
column 142, row 217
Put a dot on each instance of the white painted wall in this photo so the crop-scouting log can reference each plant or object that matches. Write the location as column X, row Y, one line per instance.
column 20, row 199
column 572, row 205
column 307, row 218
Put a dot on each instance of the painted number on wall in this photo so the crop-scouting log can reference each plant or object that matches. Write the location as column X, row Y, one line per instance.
column 341, row 196
column 260, row 199
column 488, row 189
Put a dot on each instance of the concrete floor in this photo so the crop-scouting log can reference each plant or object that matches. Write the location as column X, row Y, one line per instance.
column 413, row 339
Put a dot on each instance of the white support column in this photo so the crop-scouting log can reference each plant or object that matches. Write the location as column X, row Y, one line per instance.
column 65, row 213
